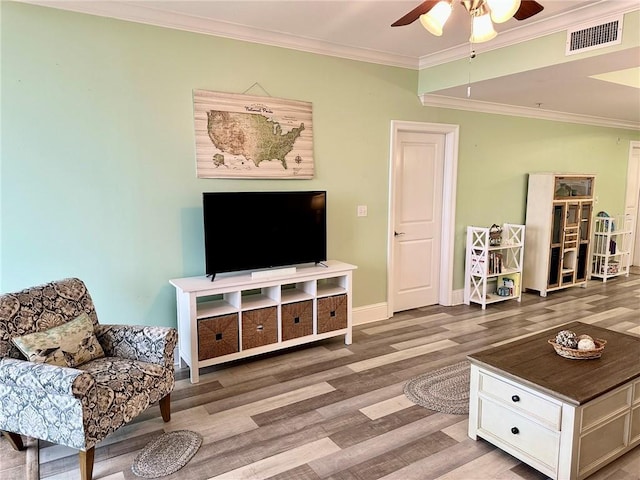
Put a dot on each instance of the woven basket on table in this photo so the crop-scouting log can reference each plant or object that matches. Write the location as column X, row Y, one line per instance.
column 576, row 354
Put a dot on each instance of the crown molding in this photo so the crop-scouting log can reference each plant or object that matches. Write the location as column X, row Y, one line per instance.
column 441, row 101
column 599, row 11
column 145, row 14
column 148, row 15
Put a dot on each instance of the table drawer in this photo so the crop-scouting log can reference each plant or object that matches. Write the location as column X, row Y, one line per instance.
column 519, row 399
column 524, row 436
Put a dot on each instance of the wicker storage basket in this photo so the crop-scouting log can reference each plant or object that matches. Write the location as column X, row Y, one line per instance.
column 575, row 354
column 332, row 313
column 259, row 327
column 217, row 336
column 297, row 319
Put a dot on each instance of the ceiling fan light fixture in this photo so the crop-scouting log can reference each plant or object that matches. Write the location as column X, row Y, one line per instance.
column 435, row 18
column 481, row 26
column 503, row 10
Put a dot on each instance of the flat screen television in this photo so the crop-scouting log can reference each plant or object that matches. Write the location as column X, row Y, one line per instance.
column 258, row 230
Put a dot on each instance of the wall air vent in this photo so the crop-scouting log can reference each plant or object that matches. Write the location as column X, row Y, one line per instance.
column 596, row 35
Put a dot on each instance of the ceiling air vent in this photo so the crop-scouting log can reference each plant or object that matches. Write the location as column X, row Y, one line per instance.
column 592, row 36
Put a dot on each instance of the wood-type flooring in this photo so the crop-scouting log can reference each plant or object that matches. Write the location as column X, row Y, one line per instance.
column 330, row 411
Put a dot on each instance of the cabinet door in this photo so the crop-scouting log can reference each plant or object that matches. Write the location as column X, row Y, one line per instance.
column 573, row 215
column 585, row 221
column 557, row 223
column 557, row 237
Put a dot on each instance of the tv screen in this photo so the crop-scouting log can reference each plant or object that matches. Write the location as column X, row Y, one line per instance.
column 255, row 230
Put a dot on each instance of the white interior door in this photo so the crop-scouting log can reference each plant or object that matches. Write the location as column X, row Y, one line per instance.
column 632, row 202
column 417, row 210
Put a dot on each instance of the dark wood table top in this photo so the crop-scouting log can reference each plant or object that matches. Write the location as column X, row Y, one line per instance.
column 533, row 362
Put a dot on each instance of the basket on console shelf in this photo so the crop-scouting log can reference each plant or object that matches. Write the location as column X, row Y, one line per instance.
column 575, row 354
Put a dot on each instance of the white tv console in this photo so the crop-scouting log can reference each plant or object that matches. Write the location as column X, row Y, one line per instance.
column 237, row 316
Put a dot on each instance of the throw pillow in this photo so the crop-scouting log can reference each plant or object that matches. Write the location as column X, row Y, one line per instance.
column 67, row 345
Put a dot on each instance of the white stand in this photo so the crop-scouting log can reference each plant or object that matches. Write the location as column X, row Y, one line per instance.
column 488, row 267
column 612, row 245
column 274, row 272
column 239, row 316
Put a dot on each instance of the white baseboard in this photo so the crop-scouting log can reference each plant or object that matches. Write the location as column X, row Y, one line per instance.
column 370, row 313
column 378, row 311
column 457, row 297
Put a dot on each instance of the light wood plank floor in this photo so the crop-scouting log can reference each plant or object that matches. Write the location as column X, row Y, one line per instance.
column 330, row 411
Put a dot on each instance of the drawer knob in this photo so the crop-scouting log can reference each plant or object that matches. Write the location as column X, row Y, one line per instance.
column 515, row 398
column 515, row 430
column 260, row 328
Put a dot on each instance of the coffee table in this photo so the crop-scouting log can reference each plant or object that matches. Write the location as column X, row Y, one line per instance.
column 566, row 418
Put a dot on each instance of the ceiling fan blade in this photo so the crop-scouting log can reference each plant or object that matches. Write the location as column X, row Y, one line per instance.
column 414, row 14
column 528, row 8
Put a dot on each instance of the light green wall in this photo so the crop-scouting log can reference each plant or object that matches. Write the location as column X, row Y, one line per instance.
column 499, row 151
column 98, row 164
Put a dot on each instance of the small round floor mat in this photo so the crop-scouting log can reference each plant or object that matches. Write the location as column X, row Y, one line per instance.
column 166, row 454
column 444, row 390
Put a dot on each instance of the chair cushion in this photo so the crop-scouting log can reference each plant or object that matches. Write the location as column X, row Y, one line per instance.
column 39, row 308
column 68, row 345
column 124, row 389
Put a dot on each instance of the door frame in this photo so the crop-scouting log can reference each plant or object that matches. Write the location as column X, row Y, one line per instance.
column 447, row 238
column 633, row 183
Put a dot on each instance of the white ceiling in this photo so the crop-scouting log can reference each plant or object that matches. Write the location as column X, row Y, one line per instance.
column 360, row 29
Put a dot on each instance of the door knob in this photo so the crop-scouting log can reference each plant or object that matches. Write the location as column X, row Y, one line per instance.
column 397, row 234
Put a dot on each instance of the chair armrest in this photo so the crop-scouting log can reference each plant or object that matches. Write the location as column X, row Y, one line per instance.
column 135, row 342
column 51, row 379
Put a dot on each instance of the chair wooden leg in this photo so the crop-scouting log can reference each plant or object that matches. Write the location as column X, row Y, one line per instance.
column 86, row 463
column 15, row 440
column 165, row 407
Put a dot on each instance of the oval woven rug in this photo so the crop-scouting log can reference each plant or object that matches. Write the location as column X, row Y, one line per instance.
column 444, row 390
column 166, row 454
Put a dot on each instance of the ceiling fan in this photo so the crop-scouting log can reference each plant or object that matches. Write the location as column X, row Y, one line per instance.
column 434, row 13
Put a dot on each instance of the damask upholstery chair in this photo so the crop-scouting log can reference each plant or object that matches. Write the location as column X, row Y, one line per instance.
column 131, row 367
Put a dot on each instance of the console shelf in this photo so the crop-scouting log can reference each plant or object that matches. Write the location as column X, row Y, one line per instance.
column 490, row 268
column 612, row 244
column 237, row 316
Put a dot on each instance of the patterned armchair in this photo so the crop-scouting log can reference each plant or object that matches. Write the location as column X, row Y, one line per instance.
column 78, row 406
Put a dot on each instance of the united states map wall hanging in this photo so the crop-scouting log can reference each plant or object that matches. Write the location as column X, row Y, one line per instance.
column 246, row 136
